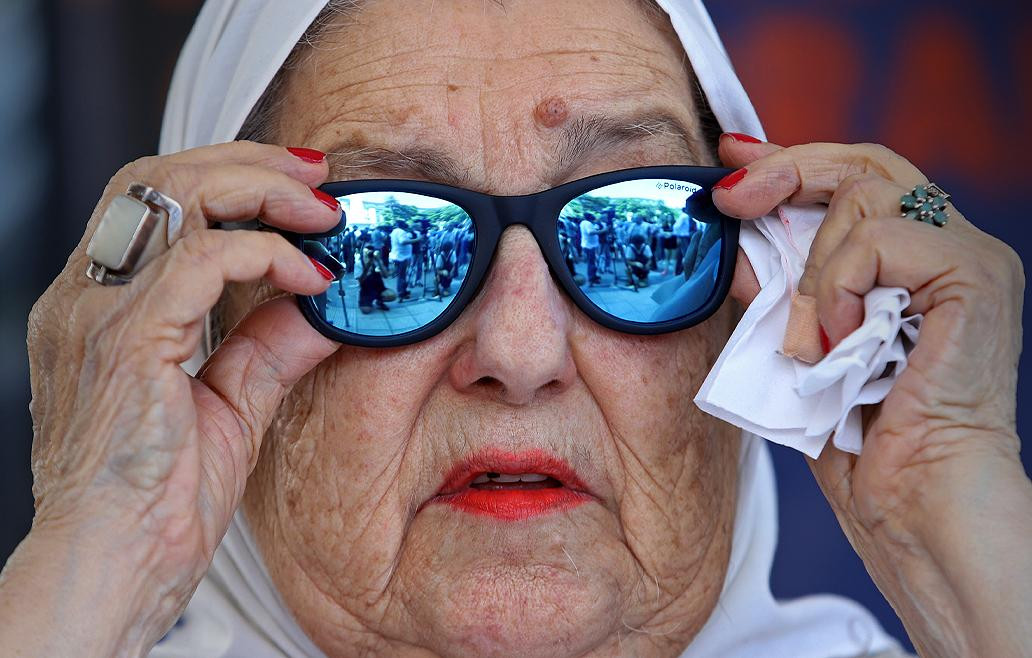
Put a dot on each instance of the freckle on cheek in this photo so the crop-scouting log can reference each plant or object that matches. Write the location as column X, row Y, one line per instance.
column 551, row 112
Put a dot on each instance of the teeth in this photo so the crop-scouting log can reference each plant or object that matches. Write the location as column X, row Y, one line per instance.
column 533, row 477
column 506, row 478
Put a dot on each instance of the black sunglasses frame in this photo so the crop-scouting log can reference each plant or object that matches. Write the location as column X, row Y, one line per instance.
column 538, row 212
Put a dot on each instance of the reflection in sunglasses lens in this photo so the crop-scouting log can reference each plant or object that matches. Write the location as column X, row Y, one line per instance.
column 404, row 255
column 642, row 250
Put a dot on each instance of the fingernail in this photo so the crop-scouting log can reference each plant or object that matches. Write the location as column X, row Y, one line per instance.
column 326, row 200
column 742, row 137
column 732, row 179
column 321, row 269
column 311, row 156
column 825, row 342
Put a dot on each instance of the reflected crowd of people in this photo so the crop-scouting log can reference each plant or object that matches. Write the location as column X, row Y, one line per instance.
column 403, row 260
column 639, row 249
column 421, row 258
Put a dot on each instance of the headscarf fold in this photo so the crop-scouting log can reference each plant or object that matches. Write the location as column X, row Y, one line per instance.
column 234, row 51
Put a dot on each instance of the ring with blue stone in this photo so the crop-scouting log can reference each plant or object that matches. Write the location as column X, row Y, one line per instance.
column 926, row 203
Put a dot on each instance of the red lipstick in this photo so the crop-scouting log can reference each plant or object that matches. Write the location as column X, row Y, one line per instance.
column 512, row 486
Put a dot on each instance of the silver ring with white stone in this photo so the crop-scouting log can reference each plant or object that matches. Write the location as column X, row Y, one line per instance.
column 137, row 227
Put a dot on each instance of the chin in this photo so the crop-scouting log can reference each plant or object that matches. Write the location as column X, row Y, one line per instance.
column 512, row 590
column 524, row 610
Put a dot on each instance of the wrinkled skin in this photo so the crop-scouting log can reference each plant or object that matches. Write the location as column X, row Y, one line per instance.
column 140, row 467
column 368, row 437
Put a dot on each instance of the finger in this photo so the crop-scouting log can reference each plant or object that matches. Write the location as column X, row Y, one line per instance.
column 213, row 191
column 744, row 285
column 858, row 197
column 920, row 257
column 808, row 173
column 737, row 150
column 306, row 165
column 233, row 192
column 250, row 373
column 171, row 296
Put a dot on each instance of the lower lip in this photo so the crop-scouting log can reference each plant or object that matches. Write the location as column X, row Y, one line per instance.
column 516, row 504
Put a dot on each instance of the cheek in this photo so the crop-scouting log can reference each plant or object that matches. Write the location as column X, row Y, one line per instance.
column 671, row 467
column 339, row 443
column 644, row 385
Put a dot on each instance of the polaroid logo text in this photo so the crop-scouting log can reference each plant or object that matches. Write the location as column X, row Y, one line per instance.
column 673, row 186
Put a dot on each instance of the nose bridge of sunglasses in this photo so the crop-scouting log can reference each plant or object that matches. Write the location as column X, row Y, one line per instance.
column 516, row 210
column 534, row 213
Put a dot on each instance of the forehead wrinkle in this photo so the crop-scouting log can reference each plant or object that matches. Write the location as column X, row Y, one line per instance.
column 430, row 44
column 498, row 46
column 399, row 86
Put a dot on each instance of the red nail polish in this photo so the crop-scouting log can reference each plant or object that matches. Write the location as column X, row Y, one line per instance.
column 742, row 137
column 825, row 342
column 326, row 200
column 311, row 156
column 321, row 269
column 732, row 179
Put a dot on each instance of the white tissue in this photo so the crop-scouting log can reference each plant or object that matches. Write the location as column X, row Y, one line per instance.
column 755, row 387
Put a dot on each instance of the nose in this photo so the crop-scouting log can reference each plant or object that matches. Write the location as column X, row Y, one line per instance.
column 519, row 351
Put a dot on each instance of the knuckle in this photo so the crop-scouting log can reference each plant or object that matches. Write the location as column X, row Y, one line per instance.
column 243, row 151
column 39, row 314
column 291, row 200
column 874, row 152
column 272, row 243
column 867, row 231
column 50, row 314
column 229, row 201
column 1010, row 266
column 138, row 167
column 861, row 191
column 890, row 165
column 198, row 249
column 868, row 158
column 777, row 179
column 129, row 173
column 175, row 178
column 877, row 158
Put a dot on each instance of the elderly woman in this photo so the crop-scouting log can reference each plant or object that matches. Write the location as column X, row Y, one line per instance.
column 520, row 471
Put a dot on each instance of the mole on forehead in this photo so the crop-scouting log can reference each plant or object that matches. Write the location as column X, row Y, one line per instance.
column 551, row 112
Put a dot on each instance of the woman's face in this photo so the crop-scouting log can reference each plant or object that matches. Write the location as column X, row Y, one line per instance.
column 347, row 500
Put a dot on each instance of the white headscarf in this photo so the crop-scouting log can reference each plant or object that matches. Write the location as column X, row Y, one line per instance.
column 233, row 52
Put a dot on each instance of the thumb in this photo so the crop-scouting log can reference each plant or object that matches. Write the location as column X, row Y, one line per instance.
column 240, row 387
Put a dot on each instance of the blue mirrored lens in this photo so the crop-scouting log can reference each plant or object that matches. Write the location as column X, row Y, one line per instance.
column 405, row 256
column 638, row 253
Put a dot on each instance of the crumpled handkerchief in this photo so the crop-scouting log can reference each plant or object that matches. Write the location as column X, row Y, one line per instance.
column 756, row 387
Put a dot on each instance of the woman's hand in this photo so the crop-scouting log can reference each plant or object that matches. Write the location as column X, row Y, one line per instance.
column 138, row 466
column 938, row 504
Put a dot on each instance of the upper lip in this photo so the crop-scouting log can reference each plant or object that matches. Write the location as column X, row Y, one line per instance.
column 495, row 460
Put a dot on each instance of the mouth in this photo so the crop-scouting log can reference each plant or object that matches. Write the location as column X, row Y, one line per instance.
column 512, row 486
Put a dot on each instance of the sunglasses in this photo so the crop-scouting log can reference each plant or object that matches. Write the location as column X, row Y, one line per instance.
column 642, row 251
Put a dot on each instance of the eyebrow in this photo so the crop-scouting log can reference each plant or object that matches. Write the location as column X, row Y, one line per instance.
column 598, row 132
column 580, row 137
